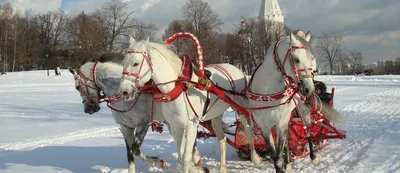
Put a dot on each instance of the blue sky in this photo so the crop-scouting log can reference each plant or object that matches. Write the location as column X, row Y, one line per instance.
column 369, row 26
column 64, row 3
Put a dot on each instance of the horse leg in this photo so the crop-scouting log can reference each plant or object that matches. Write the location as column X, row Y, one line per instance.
column 248, row 131
column 314, row 158
column 306, row 118
column 219, row 131
column 177, row 135
column 269, row 140
column 191, row 134
column 131, row 159
column 140, row 133
column 129, row 138
column 281, row 158
column 196, row 156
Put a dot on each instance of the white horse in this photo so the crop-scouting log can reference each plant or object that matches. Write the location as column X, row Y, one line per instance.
column 281, row 82
column 133, row 117
column 146, row 61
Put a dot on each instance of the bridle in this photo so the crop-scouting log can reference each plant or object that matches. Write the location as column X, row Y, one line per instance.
column 85, row 83
column 289, row 56
column 135, row 77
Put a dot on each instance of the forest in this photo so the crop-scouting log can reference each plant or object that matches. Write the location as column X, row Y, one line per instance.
column 55, row 39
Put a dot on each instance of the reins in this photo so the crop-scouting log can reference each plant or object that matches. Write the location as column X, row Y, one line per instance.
column 85, row 81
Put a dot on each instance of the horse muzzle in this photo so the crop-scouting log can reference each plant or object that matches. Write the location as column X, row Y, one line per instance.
column 91, row 109
column 306, row 89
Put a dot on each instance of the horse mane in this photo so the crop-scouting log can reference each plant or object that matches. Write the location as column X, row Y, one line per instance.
column 103, row 58
column 160, row 49
column 168, row 54
column 301, row 39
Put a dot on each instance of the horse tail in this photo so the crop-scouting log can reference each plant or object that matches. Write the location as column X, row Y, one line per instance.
column 330, row 113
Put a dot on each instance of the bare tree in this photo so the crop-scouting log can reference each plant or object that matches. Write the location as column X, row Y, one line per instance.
column 234, row 51
column 174, row 27
column 329, row 47
column 28, row 41
column 144, row 31
column 257, row 36
column 6, row 20
column 117, row 19
column 86, row 34
column 201, row 16
column 355, row 61
column 65, row 40
column 50, row 31
column 204, row 23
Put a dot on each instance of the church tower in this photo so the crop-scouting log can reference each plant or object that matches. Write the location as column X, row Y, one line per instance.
column 271, row 11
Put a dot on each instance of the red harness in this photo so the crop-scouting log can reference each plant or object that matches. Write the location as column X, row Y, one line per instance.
column 83, row 80
column 185, row 75
column 84, row 83
column 151, row 87
column 291, row 85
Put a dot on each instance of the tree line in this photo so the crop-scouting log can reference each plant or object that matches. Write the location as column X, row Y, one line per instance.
column 52, row 39
column 331, row 50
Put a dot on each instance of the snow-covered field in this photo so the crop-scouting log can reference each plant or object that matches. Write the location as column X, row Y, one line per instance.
column 43, row 129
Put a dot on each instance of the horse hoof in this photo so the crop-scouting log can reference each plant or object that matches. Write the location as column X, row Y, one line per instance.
column 206, row 170
column 257, row 161
column 163, row 164
column 315, row 161
column 223, row 171
column 289, row 168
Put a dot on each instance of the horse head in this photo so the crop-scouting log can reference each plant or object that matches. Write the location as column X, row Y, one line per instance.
column 137, row 69
column 85, row 83
column 301, row 62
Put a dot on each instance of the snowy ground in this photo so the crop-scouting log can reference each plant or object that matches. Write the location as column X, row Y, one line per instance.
column 44, row 129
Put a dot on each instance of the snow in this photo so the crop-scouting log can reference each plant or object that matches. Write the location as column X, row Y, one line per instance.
column 44, row 129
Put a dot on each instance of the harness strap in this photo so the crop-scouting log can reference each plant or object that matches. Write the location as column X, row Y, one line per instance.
column 170, row 96
column 226, row 73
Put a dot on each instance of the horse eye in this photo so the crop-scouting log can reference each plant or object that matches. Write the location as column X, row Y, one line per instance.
column 296, row 60
column 77, row 87
column 136, row 64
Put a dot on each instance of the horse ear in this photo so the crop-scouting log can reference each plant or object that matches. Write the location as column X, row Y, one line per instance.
column 131, row 41
column 148, row 39
column 103, row 58
column 72, row 71
column 293, row 39
column 292, row 36
column 308, row 36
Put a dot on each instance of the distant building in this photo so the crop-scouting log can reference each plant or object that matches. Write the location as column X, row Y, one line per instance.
column 271, row 11
column 381, row 63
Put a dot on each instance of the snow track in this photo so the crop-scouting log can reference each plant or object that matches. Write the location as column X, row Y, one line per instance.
column 31, row 144
column 372, row 123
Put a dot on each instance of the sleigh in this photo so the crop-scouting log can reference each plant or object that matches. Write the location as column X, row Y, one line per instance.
column 321, row 129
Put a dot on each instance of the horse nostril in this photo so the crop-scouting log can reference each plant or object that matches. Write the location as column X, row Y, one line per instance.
column 125, row 93
column 307, row 91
